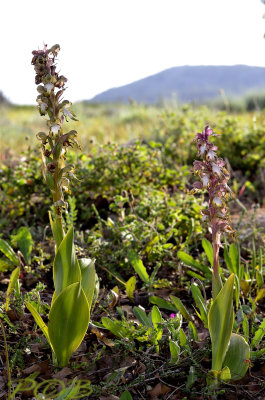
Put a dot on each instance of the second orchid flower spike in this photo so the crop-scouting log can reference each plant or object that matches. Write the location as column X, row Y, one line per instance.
column 213, row 177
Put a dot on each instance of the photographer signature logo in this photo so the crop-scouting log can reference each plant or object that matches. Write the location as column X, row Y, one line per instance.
column 52, row 389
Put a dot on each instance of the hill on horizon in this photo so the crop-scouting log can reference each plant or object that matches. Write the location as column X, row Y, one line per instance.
column 188, row 84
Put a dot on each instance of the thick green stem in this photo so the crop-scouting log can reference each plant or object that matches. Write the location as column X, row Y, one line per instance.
column 57, row 196
column 216, row 279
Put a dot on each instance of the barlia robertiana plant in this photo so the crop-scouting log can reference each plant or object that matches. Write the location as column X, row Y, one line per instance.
column 213, row 177
column 229, row 350
column 74, row 280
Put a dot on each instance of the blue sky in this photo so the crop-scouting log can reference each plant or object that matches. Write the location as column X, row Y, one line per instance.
column 108, row 43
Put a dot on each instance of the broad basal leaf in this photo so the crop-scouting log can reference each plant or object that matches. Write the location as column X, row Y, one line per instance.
column 57, row 231
column 88, row 278
column 237, row 357
column 66, row 269
column 220, row 322
column 68, row 322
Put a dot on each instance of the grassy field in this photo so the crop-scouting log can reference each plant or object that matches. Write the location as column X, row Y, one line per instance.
column 152, row 322
column 120, row 123
column 100, row 124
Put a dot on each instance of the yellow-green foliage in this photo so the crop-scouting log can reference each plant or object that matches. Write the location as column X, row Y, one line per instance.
column 241, row 140
column 121, row 123
column 100, row 124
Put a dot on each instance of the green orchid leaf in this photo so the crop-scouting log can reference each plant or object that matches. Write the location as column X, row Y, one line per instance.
column 96, row 292
column 39, row 321
column 220, row 323
column 228, row 260
column 237, row 357
column 66, row 268
column 130, row 287
column 9, row 252
column 208, row 248
column 181, row 308
column 237, row 291
column 68, row 322
column 235, row 258
column 88, row 278
column 138, row 266
column 200, row 303
column 57, row 231
column 13, row 280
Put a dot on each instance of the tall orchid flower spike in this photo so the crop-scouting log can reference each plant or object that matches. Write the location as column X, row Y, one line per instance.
column 74, row 279
column 213, row 177
column 51, row 87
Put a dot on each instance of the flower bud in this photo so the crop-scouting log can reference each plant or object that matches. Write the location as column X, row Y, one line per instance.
column 197, row 185
column 65, row 183
column 61, row 81
column 47, row 79
column 50, row 167
column 64, row 171
column 59, row 203
column 55, row 128
column 216, row 169
column 217, row 201
column 55, row 49
column 41, row 89
column 205, row 180
column 42, row 136
column 49, row 87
